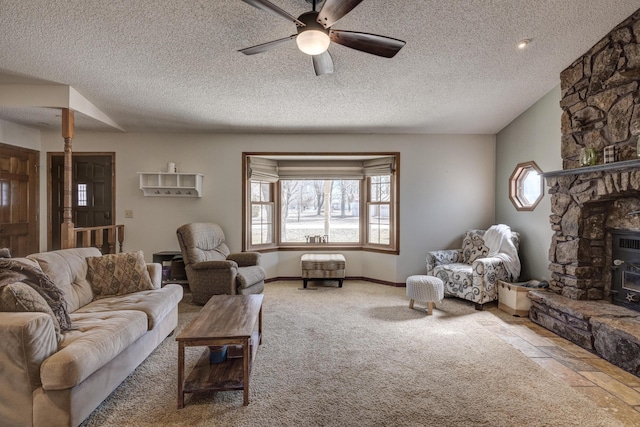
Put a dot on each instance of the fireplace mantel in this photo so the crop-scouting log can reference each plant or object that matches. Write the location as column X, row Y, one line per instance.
column 615, row 166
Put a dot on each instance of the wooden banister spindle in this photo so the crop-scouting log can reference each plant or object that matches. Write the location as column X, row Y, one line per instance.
column 99, row 238
column 111, row 239
column 86, row 238
column 120, row 235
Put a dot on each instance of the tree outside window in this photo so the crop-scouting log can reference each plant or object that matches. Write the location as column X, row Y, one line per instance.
column 323, row 209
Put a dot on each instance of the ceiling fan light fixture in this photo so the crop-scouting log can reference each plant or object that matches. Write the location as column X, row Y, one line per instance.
column 313, row 42
column 315, row 34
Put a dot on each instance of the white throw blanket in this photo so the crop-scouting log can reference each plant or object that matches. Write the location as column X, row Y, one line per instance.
column 498, row 239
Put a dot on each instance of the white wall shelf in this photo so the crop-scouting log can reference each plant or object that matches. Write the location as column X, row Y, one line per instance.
column 167, row 184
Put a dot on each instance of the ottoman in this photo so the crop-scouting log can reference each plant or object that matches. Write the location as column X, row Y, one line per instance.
column 323, row 266
column 427, row 289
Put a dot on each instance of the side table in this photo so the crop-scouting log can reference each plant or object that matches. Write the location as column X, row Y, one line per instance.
column 172, row 267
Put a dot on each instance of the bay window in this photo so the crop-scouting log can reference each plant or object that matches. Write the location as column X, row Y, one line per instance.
column 296, row 201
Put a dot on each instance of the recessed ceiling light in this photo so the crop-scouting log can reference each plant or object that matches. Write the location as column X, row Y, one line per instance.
column 522, row 44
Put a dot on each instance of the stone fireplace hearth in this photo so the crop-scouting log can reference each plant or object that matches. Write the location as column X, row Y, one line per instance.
column 601, row 108
column 587, row 204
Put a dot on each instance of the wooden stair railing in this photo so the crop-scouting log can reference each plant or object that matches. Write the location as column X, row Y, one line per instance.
column 72, row 236
column 94, row 236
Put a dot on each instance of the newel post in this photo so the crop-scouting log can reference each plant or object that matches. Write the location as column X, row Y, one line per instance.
column 67, row 235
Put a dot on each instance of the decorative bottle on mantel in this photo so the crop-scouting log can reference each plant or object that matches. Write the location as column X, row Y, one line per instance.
column 638, row 147
column 587, row 156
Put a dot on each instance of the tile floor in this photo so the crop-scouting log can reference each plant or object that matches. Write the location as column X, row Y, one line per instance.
column 608, row 386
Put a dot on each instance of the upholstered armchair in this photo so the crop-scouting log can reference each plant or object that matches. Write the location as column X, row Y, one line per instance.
column 211, row 267
column 469, row 273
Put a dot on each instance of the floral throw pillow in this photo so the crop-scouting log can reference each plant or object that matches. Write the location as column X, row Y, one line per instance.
column 20, row 297
column 118, row 274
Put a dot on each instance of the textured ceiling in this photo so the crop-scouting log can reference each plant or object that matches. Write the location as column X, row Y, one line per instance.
column 167, row 65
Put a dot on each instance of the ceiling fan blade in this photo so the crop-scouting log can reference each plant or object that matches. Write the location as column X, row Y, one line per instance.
column 323, row 63
column 369, row 43
column 333, row 10
column 266, row 46
column 271, row 8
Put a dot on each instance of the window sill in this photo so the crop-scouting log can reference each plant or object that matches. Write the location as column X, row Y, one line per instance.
column 325, row 247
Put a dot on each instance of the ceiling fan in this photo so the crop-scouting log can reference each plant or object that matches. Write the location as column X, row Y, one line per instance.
column 315, row 33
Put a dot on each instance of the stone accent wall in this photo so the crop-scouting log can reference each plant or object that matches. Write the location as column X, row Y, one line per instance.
column 601, row 107
column 600, row 96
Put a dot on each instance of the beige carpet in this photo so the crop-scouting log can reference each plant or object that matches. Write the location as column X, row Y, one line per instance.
column 358, row 356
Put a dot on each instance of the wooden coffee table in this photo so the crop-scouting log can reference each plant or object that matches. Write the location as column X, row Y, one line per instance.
column 233, row 320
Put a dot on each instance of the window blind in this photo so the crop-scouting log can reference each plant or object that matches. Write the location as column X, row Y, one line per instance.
column 261, row 169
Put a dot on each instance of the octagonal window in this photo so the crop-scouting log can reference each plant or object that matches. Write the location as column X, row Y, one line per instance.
column 526, row 186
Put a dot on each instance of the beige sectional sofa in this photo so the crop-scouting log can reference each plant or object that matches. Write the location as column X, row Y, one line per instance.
column 50, row 379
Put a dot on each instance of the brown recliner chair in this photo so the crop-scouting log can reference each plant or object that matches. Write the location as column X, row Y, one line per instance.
column 211, row 267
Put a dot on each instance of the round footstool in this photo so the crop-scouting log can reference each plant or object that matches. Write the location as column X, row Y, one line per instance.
column 427, row 289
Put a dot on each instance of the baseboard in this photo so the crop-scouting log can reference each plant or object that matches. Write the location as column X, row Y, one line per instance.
column 364, row 279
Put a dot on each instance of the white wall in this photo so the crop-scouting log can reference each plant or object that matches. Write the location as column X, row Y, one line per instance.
column 20, row 136
column 534, row 135
column 446, row 187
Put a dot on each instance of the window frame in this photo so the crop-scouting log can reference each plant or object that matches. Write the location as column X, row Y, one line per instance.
column 269, row 203
column 369, row 202
column 364, row 226
column 516, row 186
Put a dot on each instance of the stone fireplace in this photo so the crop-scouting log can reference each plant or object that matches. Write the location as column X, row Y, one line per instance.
column 586, row 206
column 601, row 109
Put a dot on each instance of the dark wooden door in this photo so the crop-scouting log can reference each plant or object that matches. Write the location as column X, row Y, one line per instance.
column 92, row 189
column 19, row 229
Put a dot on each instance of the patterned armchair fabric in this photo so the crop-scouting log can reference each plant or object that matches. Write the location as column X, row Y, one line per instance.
column 467, row 272
column 211, row 267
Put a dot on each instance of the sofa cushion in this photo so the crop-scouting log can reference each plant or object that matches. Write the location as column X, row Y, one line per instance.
column 118, row 274
column 67, row 268
column 473, row 246
column 29, row 272
column 95, row 340
column 20, row 297
column 156, row 304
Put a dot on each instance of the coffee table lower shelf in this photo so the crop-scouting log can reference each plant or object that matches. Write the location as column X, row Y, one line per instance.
column 205, row 376
column 225, row 376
